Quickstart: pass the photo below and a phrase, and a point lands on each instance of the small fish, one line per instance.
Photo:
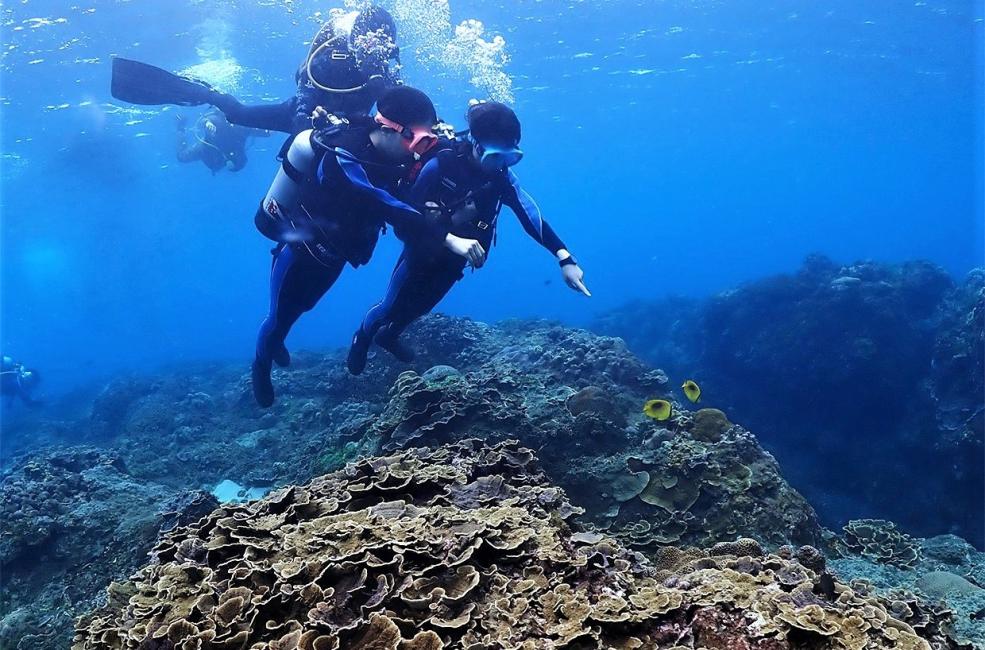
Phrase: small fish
(692, 390)
(658, 409)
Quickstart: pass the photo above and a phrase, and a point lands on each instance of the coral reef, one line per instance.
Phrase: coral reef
(698, 484)
(466, 546)
(703, 482)
(648, 487)
(945, 572)
(72, 519)
(814, 360)
(880, 541)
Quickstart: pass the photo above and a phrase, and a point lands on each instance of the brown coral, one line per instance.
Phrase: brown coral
(880, 541)
(693, 491)
(465, 546)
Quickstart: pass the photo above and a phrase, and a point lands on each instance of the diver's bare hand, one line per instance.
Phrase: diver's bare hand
(470, 249)
(573, 275)
(319, 117)
(210, 127)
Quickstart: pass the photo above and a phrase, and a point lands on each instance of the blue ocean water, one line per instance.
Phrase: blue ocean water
(678, 147)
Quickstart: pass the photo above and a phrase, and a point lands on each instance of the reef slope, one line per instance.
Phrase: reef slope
(468, 546)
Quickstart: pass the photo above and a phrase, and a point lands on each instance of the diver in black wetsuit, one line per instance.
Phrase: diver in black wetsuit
(352, 60)
(465, 185)
(214, 141)
(328, 205)
(18, 382)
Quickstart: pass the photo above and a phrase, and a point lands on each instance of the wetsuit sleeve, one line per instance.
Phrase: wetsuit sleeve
(408, 223)
(427, 180)
(528, 212)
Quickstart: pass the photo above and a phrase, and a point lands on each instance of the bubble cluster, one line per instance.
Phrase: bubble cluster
(376, 47)
(465, 51)
(218, 66)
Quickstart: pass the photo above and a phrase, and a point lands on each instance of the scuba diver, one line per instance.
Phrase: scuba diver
(463, 186)
(327, 206)
(213, 140)
(18, 382)
(352, 60)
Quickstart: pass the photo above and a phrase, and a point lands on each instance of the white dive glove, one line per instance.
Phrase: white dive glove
(572, 273)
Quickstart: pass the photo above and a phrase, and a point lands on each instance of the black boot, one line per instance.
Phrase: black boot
(358, 351)
(391, 342)
(263, 388)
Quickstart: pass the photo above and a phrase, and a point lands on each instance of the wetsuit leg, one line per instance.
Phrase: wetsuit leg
(271, 117)
(416, 285)
(416, 288)
(379, 314)
(297, 283)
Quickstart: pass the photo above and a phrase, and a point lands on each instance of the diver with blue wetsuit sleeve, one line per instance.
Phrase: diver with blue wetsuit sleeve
(463, 188)
(329, 203)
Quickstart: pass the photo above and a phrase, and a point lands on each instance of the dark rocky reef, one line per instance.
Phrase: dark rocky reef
(957, 378)
(71, 519)
(865, 380)
(469, 546)
(702, 480)
(650, 489)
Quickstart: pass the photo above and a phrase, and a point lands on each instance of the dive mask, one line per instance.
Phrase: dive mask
(493, 158)
(418, 141)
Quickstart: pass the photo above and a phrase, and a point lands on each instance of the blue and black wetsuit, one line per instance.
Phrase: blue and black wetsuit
(344, 205)
(425, 273)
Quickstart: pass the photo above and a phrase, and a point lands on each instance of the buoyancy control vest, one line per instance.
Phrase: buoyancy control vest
(344, 199)
(470, 199)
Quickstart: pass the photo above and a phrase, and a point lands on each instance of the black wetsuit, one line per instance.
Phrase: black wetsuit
(223, 149)
(424, 274)
(334, 67)
(347, 204)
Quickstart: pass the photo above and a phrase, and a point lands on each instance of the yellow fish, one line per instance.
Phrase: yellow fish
(658, 409)
(692, 390)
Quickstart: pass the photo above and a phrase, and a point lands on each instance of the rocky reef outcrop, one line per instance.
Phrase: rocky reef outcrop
(819, 360)
(665, 503)
(571, 394)
(469, 546)
(71, 519)
(695, 479)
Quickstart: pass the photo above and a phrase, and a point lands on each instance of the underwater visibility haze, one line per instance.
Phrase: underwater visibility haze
(765, 393)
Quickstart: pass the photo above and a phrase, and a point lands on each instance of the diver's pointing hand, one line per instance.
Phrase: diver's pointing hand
(573, 276)
(470, 249)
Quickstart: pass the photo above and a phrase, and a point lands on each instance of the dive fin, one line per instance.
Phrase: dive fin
(140, 83)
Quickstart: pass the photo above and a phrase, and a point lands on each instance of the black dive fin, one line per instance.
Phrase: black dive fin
(139, 83)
